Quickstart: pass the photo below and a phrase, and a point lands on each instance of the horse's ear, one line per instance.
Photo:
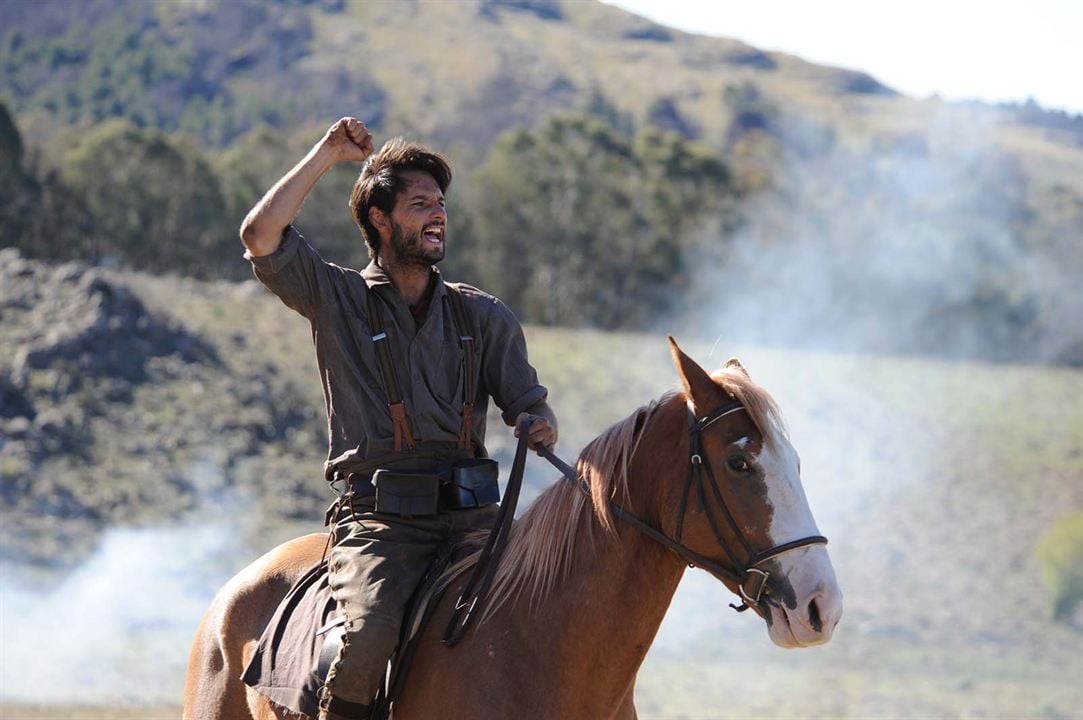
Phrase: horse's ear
(736, 364)
(698, 385)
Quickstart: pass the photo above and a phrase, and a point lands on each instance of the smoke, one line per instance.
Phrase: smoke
(918, 242)
(855, 249)
(114, 629)
(117, 630)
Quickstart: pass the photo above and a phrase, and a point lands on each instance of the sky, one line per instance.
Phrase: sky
(994, 50)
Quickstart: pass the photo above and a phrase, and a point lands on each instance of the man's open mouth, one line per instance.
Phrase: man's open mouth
(434, 234)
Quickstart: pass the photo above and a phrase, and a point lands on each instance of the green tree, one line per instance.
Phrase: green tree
(38, 214)
(156, 203)
(16, 188)
(684, 187)
(576, 224)
(11, 143)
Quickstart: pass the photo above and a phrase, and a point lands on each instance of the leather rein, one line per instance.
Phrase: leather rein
(700, 476)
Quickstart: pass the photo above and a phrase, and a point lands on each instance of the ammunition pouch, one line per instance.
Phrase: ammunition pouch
(465, 484)
(473, 484)
(406, 493)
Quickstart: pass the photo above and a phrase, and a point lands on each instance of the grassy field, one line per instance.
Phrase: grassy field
(933, 481)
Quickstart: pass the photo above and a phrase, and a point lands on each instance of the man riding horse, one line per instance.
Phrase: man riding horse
(408, 363)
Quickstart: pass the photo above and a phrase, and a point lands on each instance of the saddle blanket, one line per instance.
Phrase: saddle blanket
(285, 668)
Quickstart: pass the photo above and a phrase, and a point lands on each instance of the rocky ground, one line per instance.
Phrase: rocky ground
(115, 413)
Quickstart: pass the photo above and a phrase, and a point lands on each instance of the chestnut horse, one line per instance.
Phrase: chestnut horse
(579, 594)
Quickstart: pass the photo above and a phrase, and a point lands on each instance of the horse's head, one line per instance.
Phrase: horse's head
(744, 508)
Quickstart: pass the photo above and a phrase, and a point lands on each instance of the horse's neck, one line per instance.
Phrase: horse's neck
(600, 623)
(606, 616)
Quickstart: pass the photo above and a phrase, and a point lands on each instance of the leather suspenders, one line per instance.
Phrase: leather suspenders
(396, 406)
(465, 332)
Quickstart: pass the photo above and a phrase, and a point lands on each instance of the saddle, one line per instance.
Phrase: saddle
(302, 639)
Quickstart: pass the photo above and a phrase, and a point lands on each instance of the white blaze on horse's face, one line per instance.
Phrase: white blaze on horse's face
(809, 616)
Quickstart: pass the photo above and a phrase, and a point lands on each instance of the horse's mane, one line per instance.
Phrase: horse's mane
(542, 543)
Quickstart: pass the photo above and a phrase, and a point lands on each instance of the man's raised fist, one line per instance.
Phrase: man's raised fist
(349, 139)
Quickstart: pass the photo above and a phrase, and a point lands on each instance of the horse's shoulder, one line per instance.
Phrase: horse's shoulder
(267, 579)
(292, 558)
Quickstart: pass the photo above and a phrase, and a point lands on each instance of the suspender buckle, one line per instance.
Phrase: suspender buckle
(401, 426)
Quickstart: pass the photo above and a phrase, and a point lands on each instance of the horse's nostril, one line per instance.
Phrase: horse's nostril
(814, 616)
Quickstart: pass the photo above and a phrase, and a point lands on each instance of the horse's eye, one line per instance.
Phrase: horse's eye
(739, 464)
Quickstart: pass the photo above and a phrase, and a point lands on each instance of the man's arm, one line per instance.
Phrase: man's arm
(261, 231)
(543, 431)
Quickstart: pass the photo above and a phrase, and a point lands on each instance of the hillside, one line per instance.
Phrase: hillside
(219, 68)
(678, 178)
(113, 412)
(453, 72)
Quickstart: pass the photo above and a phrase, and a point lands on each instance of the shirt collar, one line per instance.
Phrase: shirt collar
(375, 276)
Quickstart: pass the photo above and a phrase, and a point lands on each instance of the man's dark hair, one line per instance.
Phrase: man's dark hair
(381, 181)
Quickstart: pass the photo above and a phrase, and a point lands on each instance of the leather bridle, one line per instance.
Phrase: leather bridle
(752, 581)
(700, 477)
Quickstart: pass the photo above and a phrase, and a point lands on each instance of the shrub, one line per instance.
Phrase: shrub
(1060, 555)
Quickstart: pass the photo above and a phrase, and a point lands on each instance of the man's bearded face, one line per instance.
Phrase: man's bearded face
(419, 221)
(417, 246)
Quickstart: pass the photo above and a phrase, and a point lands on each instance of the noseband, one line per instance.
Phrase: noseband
(751, 580)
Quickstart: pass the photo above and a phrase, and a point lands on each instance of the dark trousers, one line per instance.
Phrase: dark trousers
(376, 563)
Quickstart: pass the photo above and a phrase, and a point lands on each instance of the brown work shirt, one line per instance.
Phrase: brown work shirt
(427, 355)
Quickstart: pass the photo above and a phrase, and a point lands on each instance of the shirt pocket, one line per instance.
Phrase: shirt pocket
(436, 365)
(451, 363)
(359, 352)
